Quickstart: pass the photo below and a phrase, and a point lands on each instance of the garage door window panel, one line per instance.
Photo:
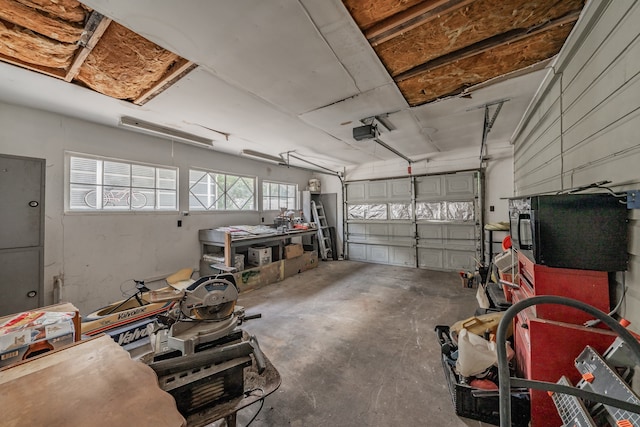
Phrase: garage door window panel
(377, 211)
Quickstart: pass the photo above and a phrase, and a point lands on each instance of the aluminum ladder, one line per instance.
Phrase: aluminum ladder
(324, 237)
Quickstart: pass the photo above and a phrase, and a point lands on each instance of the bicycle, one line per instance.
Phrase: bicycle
(115, 197)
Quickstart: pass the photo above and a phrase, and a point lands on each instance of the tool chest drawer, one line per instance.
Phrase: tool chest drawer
(591, 287)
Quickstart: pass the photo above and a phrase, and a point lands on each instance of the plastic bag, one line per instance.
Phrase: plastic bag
(475, 354)
(481, 296)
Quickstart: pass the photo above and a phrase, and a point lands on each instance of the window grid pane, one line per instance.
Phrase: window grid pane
(276, 196)
(104, 185)
(217, 191)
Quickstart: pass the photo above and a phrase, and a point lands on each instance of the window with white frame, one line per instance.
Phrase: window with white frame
(277, 195)
(215, 191)
(101, 184)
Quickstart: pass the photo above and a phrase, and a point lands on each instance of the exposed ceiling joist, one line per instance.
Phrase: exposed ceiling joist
(173, 74)
(413, 17)
(95, 27)
(512, 75)
(486, 45)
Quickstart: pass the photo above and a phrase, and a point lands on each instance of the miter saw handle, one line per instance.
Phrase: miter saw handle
(243, 317)
(258, 354)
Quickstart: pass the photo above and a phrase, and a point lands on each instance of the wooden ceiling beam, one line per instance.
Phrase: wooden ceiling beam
(486, 45)
(95, 27)
(176, 72)
(408, 19)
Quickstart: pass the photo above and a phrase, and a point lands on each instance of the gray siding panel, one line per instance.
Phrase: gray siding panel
(605, 47)
(537, 166)
(585, 123)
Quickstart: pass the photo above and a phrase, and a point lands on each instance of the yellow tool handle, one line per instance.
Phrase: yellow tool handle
(470, 322)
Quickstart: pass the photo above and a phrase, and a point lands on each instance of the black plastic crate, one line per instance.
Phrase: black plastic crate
(485, 408)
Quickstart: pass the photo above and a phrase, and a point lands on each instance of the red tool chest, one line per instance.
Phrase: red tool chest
(549, 337)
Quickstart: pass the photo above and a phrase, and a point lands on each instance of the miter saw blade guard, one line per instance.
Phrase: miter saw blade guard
(211, 298)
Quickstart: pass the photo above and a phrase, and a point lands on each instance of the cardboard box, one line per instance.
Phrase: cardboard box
(27, 334)
(259, 255)
(293, 250)
(23, 352)
(63, 307)
(212, 259)
(30, 327)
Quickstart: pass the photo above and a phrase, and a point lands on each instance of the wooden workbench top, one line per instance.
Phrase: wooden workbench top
(91, 383)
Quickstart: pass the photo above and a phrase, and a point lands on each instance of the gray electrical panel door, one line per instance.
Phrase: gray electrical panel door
(428, 222)
(21, 234)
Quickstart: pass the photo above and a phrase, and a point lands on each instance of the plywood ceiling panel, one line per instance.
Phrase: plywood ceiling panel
(463, 27)
(453, 78)
(435, 48)
(369, 12)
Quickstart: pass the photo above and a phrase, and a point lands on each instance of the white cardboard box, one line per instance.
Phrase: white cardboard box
(33, 326)
(259, 255)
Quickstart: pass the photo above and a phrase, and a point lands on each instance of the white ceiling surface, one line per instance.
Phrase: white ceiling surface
(278, 76)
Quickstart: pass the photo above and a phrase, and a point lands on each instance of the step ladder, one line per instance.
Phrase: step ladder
(324, 237)
(599, 377)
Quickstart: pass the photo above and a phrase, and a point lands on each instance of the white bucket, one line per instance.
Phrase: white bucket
(314, 185)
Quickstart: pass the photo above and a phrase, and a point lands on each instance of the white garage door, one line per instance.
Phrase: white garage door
(429, 222)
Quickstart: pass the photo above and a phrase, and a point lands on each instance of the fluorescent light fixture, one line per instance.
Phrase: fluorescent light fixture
(163, 132)
(263, 156)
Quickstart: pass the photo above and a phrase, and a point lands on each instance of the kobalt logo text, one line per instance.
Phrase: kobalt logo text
(130, 313)
(133, 335)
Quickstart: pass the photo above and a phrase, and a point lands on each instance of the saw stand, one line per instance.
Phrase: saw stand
(324, 238)
(600, 375)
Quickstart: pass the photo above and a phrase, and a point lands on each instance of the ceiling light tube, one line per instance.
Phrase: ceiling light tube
(163, 132)
(263, 156)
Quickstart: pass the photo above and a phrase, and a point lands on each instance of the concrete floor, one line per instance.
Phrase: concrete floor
(355, 346)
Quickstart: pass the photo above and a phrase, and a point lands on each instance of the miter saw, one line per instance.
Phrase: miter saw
(199, 352)
(206, 313)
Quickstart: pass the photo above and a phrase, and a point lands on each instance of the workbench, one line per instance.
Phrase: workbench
(90, 383)
(231, 241)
